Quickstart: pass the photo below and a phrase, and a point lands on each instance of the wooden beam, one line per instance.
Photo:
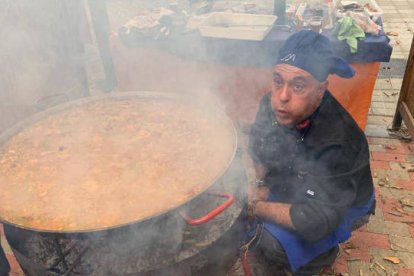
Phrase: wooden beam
(407, 117)
(405, 87)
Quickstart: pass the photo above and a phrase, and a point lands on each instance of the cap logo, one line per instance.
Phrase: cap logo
(289, 57)
(310, 192)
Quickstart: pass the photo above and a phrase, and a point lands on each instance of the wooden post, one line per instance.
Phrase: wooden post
(405, 105)
(101, 26)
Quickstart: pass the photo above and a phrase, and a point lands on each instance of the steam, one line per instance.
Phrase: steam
(36, 59)
(46, 59)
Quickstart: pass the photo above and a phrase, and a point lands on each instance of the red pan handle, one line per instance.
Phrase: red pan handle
(211, 214)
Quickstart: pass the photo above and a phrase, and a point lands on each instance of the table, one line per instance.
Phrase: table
(237, 72)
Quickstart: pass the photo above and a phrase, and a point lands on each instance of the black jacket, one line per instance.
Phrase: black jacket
(321, 170)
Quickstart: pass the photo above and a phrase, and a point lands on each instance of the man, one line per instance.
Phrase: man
(313, 179)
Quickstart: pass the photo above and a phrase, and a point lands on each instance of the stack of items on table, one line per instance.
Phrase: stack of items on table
(355, 19)
(350, 20)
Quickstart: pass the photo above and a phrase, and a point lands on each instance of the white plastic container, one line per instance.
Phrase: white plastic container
(237, 26)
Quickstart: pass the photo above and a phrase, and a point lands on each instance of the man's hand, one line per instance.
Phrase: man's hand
(275, 212)
(257, 191)
(256, 194)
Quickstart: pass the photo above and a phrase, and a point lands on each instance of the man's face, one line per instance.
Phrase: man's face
(295, 94)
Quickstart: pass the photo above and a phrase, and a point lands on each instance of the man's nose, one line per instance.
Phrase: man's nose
(284, 94)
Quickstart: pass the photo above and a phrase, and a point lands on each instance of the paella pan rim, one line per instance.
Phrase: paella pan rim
(11, 132)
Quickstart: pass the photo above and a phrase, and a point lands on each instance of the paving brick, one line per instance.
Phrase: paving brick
(390, 96)
(378, 257)
(395, 20)
(377, 105)
(383, 141)
(376, 98)
(401, 148)
(391, 15)
(379, 214)
(399, 166)
(392, 105)
(380, 165)
(385, 156)
(359, 268)
(396, 83)
(389, 111)
(391, 174)
(365, 240)
(405, 271)
(409, 146)
(405, 184)
(362, 255)
(410, 158)
(409, 11)
(388, 227)
(411, 229)
(399, 55)
(383, 84)
(378, 111)
(393, 210)
(376, 130)
(379, 197)
(400, 243)
(389, 205)
(379, 148)
(341, 265)
(394, 195)
(406, 258)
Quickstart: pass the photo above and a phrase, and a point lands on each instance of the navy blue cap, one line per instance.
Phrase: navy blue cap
(313, 53)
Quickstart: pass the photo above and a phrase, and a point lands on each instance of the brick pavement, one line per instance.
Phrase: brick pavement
(390, 232)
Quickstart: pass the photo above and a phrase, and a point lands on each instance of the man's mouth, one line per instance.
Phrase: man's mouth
(282, 113)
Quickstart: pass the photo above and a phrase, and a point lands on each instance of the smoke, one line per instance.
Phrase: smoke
(186, 63)
(38, 57)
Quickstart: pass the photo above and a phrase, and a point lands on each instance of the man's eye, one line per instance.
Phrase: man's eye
(277, 82)
(298, 87)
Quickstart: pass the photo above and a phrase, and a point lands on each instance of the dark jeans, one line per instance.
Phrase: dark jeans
(4, 264)
(275, 256)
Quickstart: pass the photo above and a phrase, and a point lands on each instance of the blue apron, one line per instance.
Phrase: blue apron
(299, 252)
